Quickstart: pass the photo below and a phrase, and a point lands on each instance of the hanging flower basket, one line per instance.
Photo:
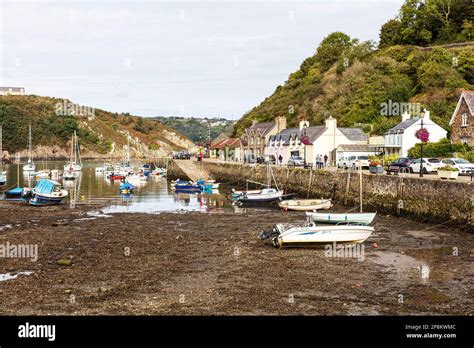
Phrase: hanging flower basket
(305, 140)
(423, 135)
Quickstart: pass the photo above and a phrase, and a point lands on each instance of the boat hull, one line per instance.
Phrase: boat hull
(305, 205)
(324, 234)
(39, 199)
(363, 218)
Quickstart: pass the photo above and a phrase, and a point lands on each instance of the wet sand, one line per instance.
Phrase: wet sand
(213, 263)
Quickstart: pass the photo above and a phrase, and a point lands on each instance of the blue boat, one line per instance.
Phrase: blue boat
(47, 192)
(146, 168)
(126, 188)
(14, 193)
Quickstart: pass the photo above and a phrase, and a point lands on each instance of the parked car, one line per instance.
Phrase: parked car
(260, 160)
(296, 161)
(342, 162)
(430, 165)
(397, 165)
(355, 161)
(462, 165)
(185, 155)
(270, 159)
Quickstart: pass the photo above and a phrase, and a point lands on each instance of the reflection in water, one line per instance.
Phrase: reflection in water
(151, 196)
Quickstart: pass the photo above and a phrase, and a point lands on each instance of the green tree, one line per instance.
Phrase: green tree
(390, 33)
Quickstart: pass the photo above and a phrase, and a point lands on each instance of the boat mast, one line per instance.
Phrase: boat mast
(30, 159)
(360, 185)
(72, 150)
(78, 150)
(128, 148)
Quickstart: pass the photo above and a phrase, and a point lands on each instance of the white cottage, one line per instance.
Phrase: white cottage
(399, 139)
(323, 141)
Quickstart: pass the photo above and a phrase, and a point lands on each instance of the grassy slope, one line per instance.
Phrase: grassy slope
(96, 134)
(353, 94)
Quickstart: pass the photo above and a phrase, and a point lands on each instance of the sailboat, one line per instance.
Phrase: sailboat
(125, 168)
(3, 174)
(265, 195)
(75, 163)
(30, 165)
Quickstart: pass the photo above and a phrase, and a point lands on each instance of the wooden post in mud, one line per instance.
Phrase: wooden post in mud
(360, 186)
(348, 185)
(309, 181)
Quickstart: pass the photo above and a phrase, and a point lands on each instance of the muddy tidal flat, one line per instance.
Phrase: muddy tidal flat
(198, 263)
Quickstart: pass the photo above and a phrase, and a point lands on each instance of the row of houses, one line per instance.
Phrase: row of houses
(311, 142)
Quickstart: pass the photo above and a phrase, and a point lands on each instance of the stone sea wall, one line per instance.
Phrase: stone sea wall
(438, 201)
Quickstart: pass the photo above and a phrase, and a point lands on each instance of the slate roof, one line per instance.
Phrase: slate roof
(313, 134)
(403, 125)
(263, 128)
(354, 134)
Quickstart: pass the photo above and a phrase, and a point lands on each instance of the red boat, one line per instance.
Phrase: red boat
(118, 177)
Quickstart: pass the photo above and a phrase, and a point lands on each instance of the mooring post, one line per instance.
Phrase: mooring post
(348, 185)
(309, 181)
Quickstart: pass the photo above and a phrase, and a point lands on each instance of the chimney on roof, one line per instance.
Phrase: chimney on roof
(405, 116)
(331, 123)
(254, 122)
(280, 123)
(304, 124)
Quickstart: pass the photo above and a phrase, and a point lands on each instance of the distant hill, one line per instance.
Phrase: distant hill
(352, 80)
(197, 129)
(101, 133)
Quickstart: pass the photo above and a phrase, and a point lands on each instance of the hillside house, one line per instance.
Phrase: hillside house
(399, 139)
(12, 91)
(462, 120)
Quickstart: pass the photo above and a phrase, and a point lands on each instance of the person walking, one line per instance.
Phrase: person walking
(319, 161)
(280, 159)
(325, 160)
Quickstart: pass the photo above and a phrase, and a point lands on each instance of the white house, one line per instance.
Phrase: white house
(399, 139)
(12, 91)
(323, 140)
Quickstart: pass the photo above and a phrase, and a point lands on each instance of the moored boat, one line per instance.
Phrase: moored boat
(126, 188)
(13, 193)
(305, 204)
(290, 235)
(336, 218)
(266, 195)
(47, 192)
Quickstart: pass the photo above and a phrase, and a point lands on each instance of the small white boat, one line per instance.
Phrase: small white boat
(43, 174)
(305, 204)
(56, 173)
(239, 192)
(332, 218)
(69, 175)
(264, 196)
(29, 167)
(137, 177)
(290, 235)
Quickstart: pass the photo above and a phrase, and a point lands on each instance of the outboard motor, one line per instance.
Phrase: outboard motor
(274, 232)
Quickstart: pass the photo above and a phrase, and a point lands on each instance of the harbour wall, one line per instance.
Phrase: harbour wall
(447, 202)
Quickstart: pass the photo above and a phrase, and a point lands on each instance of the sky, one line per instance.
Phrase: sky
(166, 58)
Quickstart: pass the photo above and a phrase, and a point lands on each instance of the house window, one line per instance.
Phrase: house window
(464, 120)
(464, 140)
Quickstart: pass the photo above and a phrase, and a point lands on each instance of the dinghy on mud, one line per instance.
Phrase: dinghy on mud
(332, 218)
(305, 204)
(291, 235)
